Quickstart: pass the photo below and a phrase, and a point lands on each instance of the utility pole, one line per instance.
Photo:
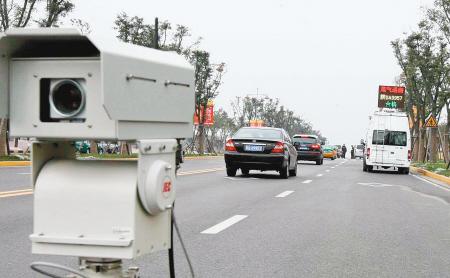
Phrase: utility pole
(156, 35)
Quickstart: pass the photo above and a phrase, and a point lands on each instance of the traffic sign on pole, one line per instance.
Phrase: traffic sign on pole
(431, 121)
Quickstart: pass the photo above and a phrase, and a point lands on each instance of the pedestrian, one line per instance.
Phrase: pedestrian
(352, 152)
(344, 150)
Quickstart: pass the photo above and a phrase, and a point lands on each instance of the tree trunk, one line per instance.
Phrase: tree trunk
(3, 138)
(415, 142)
(93, 147)
(415, 150)
(124, 148)
(443, 141)
(421, 150)
(201, 139)
(433, 144)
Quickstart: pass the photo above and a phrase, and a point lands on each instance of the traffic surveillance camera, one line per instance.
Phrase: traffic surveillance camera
(57, 85)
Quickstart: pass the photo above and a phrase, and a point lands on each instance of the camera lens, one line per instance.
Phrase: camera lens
(68, 98)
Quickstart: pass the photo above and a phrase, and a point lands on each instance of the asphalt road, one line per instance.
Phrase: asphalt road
(331, 221)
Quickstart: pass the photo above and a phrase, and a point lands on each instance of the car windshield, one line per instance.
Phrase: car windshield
(389, 137)
(258, 133)
(305, 140)
(328, 148)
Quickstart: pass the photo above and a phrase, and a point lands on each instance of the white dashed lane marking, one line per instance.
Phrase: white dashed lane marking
(327, 170)
(224, 225)
(307, 181)
(284, 194)
(319, 175)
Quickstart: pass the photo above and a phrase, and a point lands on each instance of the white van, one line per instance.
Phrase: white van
(388, 143)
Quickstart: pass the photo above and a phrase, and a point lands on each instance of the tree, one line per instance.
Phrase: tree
(273, 115)
(13, 14)
(440, 16)
(54, 11)
(208, 79)
(222, 129)
(423, 57)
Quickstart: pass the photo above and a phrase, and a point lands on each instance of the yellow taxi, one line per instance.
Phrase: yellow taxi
(329, 152)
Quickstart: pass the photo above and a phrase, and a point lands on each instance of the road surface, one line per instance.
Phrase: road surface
(333, 220)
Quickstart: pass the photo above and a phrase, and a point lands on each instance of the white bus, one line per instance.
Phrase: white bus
(388, 143)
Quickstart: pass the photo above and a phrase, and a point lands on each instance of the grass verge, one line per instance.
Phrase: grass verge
(13, 158)
(106, 156)
(439, 167)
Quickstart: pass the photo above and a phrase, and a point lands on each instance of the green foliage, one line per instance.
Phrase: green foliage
(224, 126)
(423, 58)
(12, 158)
(134, 30)
(23, 13)
(55, 10)
(272, 113)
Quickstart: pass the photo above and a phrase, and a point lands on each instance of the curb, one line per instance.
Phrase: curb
(14, 163)
(430, 174)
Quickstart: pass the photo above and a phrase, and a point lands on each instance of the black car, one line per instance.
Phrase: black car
(261, 148)
(308, 148)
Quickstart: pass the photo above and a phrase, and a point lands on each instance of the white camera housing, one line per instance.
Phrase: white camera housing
(131, 92)
(102, 209)
(57, 85)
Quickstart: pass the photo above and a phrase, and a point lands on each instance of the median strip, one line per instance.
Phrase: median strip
(224, 225)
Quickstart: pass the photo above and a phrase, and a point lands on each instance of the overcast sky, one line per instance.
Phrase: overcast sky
(322, 59)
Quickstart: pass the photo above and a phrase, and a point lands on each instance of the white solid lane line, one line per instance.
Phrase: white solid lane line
(319, 175)
(284, 194)
(224, 225)
(430, 182)
(307, 181)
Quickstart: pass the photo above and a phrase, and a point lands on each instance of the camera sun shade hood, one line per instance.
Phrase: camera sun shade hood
(140, 87)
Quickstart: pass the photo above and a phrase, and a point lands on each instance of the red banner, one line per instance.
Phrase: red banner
(209, 115)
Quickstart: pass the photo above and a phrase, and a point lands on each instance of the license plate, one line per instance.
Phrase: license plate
(253, 148)
(304, 148)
